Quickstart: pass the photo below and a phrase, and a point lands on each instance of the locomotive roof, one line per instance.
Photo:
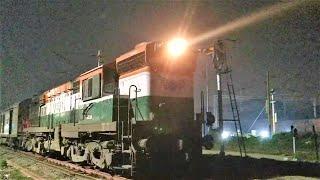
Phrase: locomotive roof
(137, 49)
(68, 85)
(91, 70)
(12, 106)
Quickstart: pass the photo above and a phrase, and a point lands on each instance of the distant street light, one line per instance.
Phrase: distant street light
(264, 134)
(225, 134)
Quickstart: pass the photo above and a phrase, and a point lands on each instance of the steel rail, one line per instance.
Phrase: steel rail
(57, 165)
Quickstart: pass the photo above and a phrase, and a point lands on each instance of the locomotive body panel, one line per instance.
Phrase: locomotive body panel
(86, 100)
(9, 118)
(161, 80)
(90, 112)
(98, 111)
(156, 91)
(76, 114)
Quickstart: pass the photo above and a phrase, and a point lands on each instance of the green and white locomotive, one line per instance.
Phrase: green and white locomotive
(137, 110)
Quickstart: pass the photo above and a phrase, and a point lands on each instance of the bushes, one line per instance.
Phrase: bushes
(279, 144)
(3, 164)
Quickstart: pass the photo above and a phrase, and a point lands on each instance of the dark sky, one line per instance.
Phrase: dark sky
(45, 43)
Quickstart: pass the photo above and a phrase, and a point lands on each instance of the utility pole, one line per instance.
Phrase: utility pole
(203, 115)
(207, 92)
(314, 103)
(273, 110)
(219, 59)
(268, 109)
(220, 111)
(315, 136)
(99, 56)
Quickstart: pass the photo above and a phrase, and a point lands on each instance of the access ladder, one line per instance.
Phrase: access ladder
(236, 116)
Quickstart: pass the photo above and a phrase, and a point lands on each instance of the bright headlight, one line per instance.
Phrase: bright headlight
(177, 46)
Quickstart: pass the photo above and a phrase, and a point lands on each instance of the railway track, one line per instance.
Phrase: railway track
(28, 164)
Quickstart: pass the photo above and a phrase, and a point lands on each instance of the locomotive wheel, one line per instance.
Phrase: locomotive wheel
(28, 145)
(77, 155)
(96, 155)
(38, 146)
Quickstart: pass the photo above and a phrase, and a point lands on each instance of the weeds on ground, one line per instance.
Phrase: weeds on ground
(278, 144)
(7, 172)
(3, 164)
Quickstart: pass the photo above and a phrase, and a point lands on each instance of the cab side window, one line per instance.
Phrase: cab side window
(75, 87)
(91, 88)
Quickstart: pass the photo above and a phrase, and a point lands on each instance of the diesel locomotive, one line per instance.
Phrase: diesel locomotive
(137, 110)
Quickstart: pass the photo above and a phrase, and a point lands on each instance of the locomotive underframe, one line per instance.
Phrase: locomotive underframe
(100, 148)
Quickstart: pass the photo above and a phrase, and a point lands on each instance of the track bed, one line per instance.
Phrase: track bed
(39, 167)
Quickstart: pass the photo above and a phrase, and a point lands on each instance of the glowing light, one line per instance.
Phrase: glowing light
(177, 46)
(244, 21)
(264, 134)
(253, 132)
(225, 134)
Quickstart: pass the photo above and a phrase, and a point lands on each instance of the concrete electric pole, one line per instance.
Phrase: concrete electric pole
(99, 56)
(270, 107)
(268, 110)
(220, 64)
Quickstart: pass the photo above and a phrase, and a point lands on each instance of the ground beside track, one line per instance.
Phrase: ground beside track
(213, 166)
(293, 178)
(253, 155)
(275, 147)
(210, 166)
(8, 172)
(19, 165)
(234, 167)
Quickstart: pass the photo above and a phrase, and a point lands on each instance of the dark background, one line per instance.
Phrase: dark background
(45, 43)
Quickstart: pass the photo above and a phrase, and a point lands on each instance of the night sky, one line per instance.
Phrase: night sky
(45, 43)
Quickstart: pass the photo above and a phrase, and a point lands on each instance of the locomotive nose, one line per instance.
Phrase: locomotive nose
(161, 144)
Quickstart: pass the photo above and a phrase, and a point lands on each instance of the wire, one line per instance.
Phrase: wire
(256, 118)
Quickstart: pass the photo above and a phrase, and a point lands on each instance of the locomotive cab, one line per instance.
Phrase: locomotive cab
(165, 127)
